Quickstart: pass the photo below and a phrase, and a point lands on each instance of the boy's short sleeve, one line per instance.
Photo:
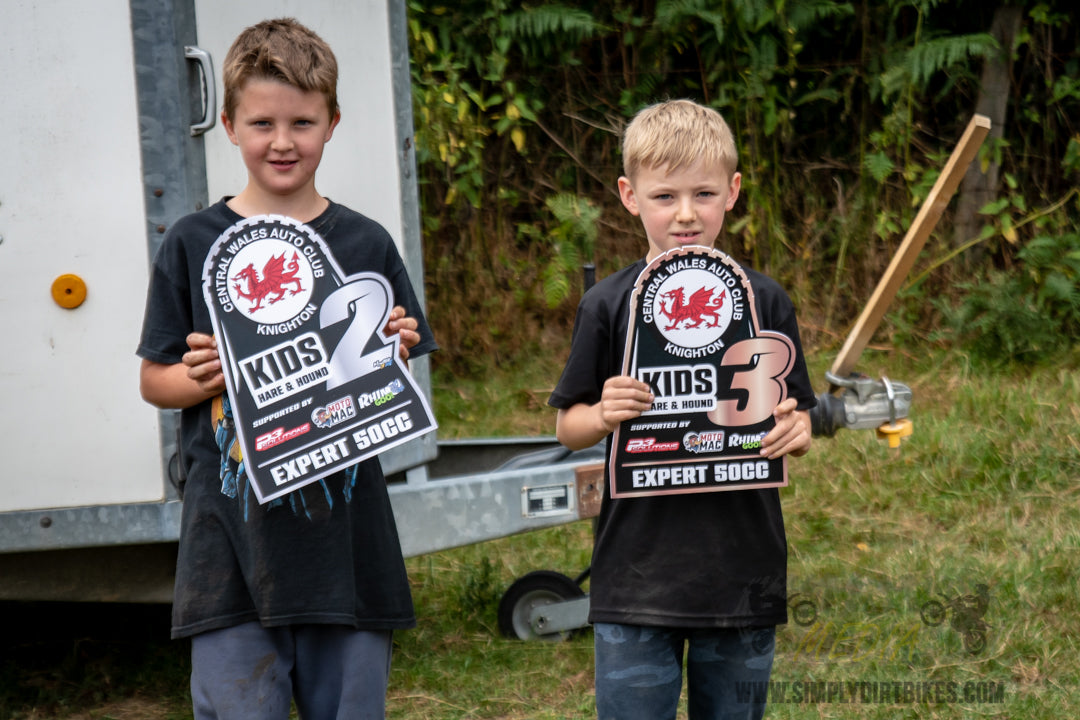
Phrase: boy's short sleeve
(776, 312)
(580, 381)
(405, 296)
(598, 340)
(174, 304)
(165, 314)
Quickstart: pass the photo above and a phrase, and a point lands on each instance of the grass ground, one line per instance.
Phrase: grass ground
(984, 493)
(981, 500)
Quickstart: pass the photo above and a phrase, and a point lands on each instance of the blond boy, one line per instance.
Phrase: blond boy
(700, 575)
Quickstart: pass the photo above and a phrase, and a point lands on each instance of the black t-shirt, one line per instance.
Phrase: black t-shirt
(326, 553)
(715, 559)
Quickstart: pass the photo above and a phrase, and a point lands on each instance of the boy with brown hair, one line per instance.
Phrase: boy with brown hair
(296, 599)
(705, 573)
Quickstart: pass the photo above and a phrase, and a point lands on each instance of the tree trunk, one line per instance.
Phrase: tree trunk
(978, 187)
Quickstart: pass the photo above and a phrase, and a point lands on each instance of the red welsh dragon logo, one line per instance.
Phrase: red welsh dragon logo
(693, 311)
(276, 275)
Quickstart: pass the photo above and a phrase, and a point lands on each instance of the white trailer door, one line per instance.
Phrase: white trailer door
(73, 428)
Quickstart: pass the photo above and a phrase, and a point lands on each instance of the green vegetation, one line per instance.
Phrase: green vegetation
(844, 114)
(1027, 315)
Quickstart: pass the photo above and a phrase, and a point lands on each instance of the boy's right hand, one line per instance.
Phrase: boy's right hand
(623, 398)
(582, 425)
(203, 363)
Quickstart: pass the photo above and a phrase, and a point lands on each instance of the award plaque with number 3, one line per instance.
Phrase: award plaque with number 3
(716, 378)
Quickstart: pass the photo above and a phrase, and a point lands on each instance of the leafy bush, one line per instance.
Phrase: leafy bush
(844, 114)
(1031, 314)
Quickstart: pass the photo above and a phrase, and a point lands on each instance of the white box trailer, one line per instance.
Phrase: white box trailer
(110, 121)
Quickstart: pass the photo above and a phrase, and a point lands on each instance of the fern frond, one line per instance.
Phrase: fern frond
(552, 20)
(928, 58)
(806, 13)
(578, 217)
(879, 165)
(674, 14)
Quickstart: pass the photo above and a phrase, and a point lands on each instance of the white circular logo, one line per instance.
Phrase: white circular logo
(692, 308)
(270, 281)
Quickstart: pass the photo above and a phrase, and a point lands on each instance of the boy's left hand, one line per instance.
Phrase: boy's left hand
(791, 435)
(405, 327)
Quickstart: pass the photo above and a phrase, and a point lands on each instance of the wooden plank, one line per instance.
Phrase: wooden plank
(904, 258)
